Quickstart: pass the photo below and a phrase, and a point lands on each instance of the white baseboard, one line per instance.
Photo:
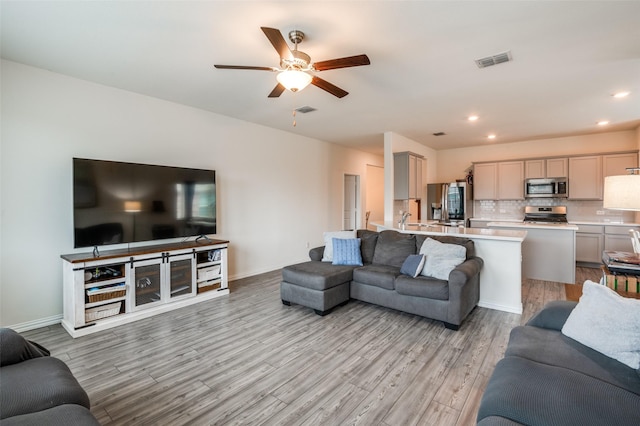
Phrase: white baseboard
(517, 309)
(39, 323)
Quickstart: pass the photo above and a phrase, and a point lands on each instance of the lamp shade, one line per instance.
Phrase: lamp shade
(622, 192)
(132, 206)
(294, 80)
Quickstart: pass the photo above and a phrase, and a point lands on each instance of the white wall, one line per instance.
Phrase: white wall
(277, 191)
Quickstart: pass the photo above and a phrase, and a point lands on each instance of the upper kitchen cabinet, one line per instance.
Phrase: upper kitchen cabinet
(616, 164)
(485, 178)
(585, 178)
(498, 181)
(546, 168)
(407, 175)
(511, 180)
(557, 167)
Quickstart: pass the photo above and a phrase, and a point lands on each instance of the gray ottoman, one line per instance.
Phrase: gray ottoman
(320, 286)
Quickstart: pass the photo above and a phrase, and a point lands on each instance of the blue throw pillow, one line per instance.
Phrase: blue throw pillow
(413, 265)
(347, 251)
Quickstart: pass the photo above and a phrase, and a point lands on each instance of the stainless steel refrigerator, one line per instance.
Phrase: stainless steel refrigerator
(449, 203)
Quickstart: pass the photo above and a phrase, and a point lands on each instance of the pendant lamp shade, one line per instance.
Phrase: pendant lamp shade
(294, 80)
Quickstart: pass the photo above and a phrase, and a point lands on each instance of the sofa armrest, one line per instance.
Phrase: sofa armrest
(316, 253)
(468, 269)
(16, 348)
(553, 315)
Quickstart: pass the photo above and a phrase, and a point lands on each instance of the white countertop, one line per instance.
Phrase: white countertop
(571, 222)
(431, 228)
(528, 225)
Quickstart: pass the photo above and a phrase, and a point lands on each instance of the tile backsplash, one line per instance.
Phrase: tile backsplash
(576, 210)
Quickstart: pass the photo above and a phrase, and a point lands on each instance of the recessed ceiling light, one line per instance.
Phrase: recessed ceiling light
(621, 94)
(472, 118)
(491, 136)
(603, 123)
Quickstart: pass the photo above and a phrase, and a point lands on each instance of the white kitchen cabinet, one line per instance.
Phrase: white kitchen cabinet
(557, 167)
(511, 180)
(616, 164)
(407, 172)
(485, 176)
(585, 178)
(546, 168)
(498, 181)
(589, 243)
(617, 238)
(535, 169)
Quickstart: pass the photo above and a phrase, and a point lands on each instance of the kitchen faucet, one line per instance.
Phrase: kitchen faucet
(403, 219)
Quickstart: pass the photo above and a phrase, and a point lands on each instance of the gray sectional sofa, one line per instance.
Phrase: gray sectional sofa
(547, 378)
(37, 389)
(323, 286)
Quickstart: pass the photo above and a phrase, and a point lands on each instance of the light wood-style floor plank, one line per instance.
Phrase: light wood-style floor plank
(248, 359)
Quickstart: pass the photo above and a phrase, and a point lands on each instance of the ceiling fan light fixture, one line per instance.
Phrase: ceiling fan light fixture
(294, 80)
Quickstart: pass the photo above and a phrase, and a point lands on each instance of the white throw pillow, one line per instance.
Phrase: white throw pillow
(328, 242)
(441, 258)
(606, 322)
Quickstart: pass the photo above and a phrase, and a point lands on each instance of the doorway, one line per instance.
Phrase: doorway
(351, 211)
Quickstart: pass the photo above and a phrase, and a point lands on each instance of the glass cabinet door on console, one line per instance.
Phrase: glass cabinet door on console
(162, 279)
(181, 276)
(146, 278)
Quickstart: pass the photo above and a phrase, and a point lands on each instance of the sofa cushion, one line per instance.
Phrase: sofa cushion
(535, 393)
(552, 347)
(368, 244)
(61, 415)
(413, 265)
(16, 348)
(448, 239)
(442, 258)
(327, 255)
(347, 252)
(393, 248)
(423, 287)
(607, 322)
(317, 275)
(382, 276)
(38, 384)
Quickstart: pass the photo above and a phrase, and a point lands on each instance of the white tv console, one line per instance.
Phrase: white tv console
(121, 286)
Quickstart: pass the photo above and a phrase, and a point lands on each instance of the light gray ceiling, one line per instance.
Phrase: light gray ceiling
(569, 57)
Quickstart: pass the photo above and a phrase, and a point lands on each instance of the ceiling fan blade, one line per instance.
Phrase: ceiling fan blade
(325, 85)
(279, 43)
(242, 67)
(277, 91)
(350, 61)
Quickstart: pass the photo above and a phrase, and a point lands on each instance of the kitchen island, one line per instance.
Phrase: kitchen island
(501, 251)
(548, 252)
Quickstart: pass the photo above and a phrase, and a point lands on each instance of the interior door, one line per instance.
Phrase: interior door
(351, 197)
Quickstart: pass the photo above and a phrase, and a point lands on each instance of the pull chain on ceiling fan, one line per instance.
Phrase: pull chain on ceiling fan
(296, 68)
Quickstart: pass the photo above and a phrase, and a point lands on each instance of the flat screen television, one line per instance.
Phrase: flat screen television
(116, 202)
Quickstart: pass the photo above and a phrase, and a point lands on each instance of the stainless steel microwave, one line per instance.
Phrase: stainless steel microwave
(545, 188)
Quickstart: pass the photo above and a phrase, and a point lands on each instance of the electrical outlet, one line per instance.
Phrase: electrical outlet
(600, 212)
(503, 211)
(307, 245)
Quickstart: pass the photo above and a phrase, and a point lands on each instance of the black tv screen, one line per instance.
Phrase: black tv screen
(116, 202)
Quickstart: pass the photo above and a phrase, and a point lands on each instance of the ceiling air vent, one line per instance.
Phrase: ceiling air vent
(305, 109)
(494, 59)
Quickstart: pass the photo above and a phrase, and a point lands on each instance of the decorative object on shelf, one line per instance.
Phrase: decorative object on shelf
(623, 193)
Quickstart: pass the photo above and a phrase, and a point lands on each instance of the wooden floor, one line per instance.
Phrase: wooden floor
(247, 359)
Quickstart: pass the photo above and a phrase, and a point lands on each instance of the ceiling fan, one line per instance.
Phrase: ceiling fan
(296, 68)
